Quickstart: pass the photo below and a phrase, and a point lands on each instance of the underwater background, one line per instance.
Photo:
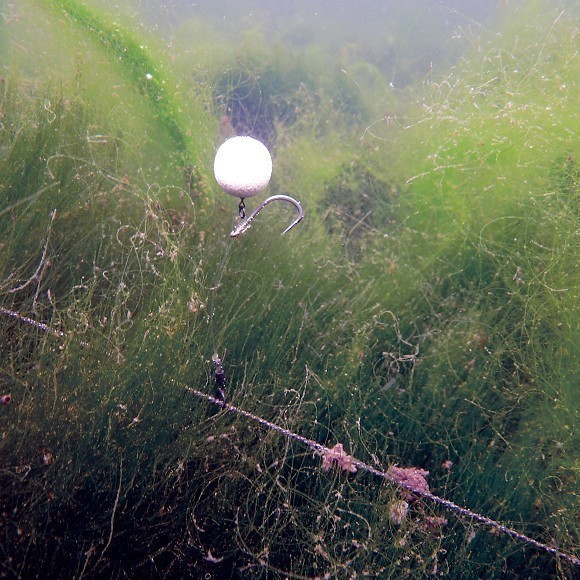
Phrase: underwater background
(424, 315)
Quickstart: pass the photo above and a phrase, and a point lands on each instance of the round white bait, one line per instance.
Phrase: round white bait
(243, 166)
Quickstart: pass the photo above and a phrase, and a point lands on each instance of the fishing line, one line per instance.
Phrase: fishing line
(331, 454)
(242, 168)
(216, 284)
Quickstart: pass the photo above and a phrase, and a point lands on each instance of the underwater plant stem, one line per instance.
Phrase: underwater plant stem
(39, 272)
(113, 513)
(457, 509)
(28, 198)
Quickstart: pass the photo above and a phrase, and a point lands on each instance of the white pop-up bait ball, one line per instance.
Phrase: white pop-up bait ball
(242, 166)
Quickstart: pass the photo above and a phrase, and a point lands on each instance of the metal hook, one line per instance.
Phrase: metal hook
(244, 226)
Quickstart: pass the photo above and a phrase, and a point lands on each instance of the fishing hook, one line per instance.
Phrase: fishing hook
(245, 225)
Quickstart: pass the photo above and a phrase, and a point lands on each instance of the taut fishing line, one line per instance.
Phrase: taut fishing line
(242, 168)
(345, 462)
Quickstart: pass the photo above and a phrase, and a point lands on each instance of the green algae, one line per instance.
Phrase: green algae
(135, 60)
(440, 332)
(109, 68)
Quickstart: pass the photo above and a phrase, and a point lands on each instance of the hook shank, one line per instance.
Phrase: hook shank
(244, 226)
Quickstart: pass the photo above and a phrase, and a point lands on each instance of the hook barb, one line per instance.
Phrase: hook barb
(245, 225)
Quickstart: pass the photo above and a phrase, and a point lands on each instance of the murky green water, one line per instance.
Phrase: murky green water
(424, 314)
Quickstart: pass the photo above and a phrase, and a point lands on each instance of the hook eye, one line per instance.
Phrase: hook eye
(245, 225)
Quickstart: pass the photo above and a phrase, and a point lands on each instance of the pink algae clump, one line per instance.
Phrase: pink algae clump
(412, 478)
(337, 457)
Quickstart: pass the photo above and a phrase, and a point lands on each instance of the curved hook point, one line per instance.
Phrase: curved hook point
(244, 226)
